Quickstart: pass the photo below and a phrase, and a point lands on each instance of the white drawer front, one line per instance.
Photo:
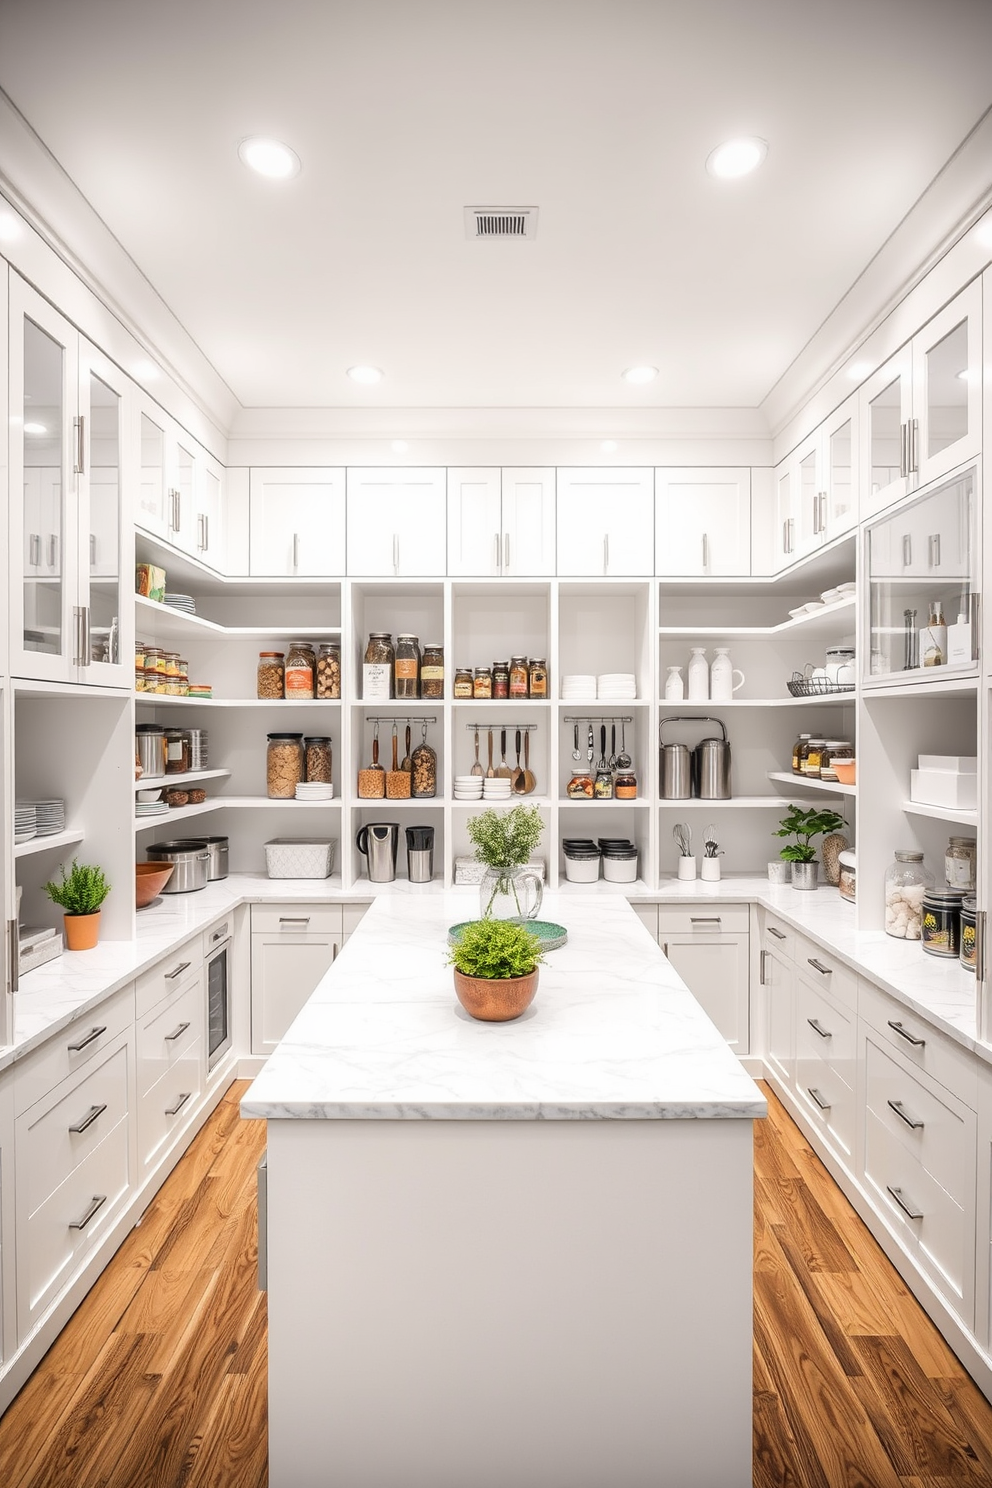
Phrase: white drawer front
(828, 1101)
(778, 935)
(826, 1030)
(940, 1138)
(164, 1109)
(168, 975)
(72, 1050)
(351, 916)
(920, 1043)
(297, 919)
(52, 1145)
(820, 969)
(167, 1033)
(702, 919)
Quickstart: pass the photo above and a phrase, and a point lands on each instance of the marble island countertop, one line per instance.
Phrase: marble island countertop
(612, 1033)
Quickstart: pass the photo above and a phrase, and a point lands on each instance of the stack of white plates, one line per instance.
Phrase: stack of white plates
(184, 602)
(616, 687)
(468, 787)
(50, 816)
(314, 790)
(496, 790)
(578, 687)
(25, 821)
(150, 808)
(850, 587)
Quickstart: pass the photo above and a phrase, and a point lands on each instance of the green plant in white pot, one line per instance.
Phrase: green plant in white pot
(803, 826)
(504, 842)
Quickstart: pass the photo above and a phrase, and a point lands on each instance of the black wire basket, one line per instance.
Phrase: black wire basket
(801, 686)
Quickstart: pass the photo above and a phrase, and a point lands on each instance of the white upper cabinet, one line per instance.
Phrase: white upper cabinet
(396, 522)
(181, 485)
(501, 522)
(605, 521)
(921, 410)
(297, 522)
(817, 492)
(703, 522)
(71, 552)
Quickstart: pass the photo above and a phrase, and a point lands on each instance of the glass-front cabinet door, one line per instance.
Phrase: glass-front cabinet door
(106, 547)
(923, 613)
(886, 401)
(155, 502)
(947, 399)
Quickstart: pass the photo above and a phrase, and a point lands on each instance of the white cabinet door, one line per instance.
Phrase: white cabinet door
(703, 522)
(778, 978)
(105, 556)
(885, 405)
(715, 969)
(184, 472)
(605, 523)
(528, 522)
(285, 969)
(947, 386)
(208, 512)
(475, 521)
(396, 523)
(297, 522)
(154, 500)
(839, 436)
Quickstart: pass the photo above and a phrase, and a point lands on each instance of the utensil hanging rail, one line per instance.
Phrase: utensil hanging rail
(400, 718)
(595, 718)
(523, 728)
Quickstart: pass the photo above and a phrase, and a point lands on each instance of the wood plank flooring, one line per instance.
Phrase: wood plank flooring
(159, 1380)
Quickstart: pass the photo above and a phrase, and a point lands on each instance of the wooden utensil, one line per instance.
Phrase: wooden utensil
(503, 771)
(372, 780)
(517, 782)
(398, 782)
(477, 767)
(490, 773)
(407, 761)
(530, 779)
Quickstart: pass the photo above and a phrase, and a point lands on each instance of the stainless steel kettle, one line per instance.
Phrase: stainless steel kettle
(711, 766)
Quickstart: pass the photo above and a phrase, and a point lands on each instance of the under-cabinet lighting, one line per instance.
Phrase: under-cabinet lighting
(270, 158)
(640, 374)
(736, 157)
(10, 228)
(365, 374)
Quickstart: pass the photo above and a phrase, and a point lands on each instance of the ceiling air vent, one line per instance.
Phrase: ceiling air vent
(501, 222)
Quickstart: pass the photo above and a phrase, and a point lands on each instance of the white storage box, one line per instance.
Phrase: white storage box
(959, 764)
(943, 788)
(300, 857)
(469, 870)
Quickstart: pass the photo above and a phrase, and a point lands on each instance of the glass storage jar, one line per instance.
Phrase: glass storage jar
(301, 670)
(171, 673)
(968, 954)
(538, 678)
(959, 863)
(501, 679)
(519, 677)
(432, 671)
(377, 667)
(317, 761)
(847, 882)
(283, 766)
(814, 756)
(799, 750)
(423, 782)
(176, 751)
(834, 749)
(329, 670)
(406, 666)
(941, 932)
(482, 683)
(464, 684)
(270, 675)
(906, 883)
(625, 786)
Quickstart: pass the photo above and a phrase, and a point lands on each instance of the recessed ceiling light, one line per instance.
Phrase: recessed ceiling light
(640, 374)
(147, 371)
(10, 228)
(35, 429)
(365, 374)
(609, 446)
(857, 371)
(269, 157)
(736, 157)
(399, 446)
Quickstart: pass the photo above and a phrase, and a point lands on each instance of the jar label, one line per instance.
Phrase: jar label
(299, 682)
(406, 668)
(376, 679)
(174, 750)
(959, 872)
(429, 673)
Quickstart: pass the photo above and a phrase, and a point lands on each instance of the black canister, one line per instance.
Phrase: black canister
(940, 931)
(968, 953)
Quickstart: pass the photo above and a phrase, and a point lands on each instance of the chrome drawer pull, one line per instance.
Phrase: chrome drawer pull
(906, 1205)
(170, 976)
(174, 1110)
(905, 1033)
(95, 1111)
(818, 1099)
(294, 919)
(178, 1033)
(96, 1203)
(909, 1120)
(94, 1033)
(819, 966)
(777, 933)
(705, 920)
(219, 934)
(818, 1028)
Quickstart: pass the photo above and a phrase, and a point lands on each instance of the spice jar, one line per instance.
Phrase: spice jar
(171, 659)
(834, 749)
(519, 677)
(906, 883)
(581, 787)
(283, 766)
(329, 670)
(432, 671)
(959, 864)
(377, 667)
(625, 786)
(317, 763)
(941, 932)
(799, 752)
(482, 683)
(814, 757)
(406, 666)
(968, 954)
(270, 675)
(464, 685)
(538, 678)
(501, 679)
(183, 677)
(176, 751)
(423, 783)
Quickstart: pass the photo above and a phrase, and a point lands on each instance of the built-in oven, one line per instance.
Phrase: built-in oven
(218, 966)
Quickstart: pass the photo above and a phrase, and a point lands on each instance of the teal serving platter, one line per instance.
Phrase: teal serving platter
(548, 933)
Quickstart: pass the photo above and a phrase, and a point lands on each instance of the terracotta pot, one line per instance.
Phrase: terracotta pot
(493, 1001)
(81, 931)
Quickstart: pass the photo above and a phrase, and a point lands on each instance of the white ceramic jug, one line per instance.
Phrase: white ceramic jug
(699, 676)
(674, 685)
(722, 675)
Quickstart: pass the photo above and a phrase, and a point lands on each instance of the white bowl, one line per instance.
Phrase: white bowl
(830, 596)
(149, 795)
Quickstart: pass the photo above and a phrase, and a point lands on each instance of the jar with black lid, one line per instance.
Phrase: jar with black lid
(176, 751)
(464, 686)
(501, 679)
(941, 927)
(968, 953)
(432, 671)
(377, 667)
(317, 759)
(406, 666)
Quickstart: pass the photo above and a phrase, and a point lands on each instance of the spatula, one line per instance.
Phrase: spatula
(407, 761)
(530, 779)
(503, 771)
(477, 767)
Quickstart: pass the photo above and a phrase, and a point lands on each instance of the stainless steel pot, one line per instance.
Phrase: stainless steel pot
(191, 862)
(711, 766)
(676, 767)
(149, 746)
(218, 848)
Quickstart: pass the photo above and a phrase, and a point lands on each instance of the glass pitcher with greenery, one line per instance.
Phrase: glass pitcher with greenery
(504, 842)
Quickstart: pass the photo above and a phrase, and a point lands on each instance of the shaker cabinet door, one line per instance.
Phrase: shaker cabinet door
(284, 973)
(475, 522)
(528, 522)
(297, 522)
(605, 523)
(703, 522)
(396, 523)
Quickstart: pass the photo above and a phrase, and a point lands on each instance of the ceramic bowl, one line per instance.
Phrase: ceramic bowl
(149, 881)
(149, 795)
(847, 771)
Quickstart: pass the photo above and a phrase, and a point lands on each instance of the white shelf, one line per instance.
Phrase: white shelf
(43, 844)
(801, 782)
(167, 621)
(734, 803)
(165, 782)
(223, 803)
(944, 687)
(639, 802)
(942, 813)
(482, 803)
(780, 702)
(173, 814)
(155, 699)
(816, 621)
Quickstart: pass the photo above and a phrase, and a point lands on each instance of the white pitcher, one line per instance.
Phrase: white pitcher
(699, 675)
(674, 685)
(722, 676)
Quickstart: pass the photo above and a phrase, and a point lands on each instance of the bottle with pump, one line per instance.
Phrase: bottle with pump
(933, 638)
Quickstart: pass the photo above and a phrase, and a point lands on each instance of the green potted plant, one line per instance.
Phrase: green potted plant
(504, 842)
(495, 968)
(80, 893)
(803, 826)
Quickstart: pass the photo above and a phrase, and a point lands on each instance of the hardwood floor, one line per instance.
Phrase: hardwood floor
(159, 1380)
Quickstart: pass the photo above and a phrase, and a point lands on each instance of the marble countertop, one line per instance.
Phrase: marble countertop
(613, 1032)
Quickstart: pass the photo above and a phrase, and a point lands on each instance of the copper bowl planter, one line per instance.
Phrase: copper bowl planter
(494, 1001)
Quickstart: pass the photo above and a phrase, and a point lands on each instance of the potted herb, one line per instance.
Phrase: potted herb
(80, 892)
(504, 842)
(495, 969)
(804, 826)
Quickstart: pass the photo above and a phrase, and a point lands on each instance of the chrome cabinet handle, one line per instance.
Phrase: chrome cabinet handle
(94, 1033)
(903, 1115)
(53, 550)
(792, 534)
(761, 969)
(174, 1110)
(396, 553)
(777, 933)
(933, 545)
(77, 635)
(706, 551)
(296, 551)
(785, 537)
(219, 934)
(79, 425)
(907, 551)
(816, 514)
(497, 565)
(818, 1100)
(183, 966)
(92, 550)
(906, 1205)
(705, 920)
(170, 1037)
(96, 1203)
(819, 966)
(206, 531)
(506, 552)
(89, 1119)
(294, 919)
(606, 552)
(34, 550)
(14, 955)
(199, 532)
(818, 1028)
(914, 447)
(905, 1033)
(86, 655)
(904, 449)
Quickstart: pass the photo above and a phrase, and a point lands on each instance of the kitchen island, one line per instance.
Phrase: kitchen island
(514, 1254)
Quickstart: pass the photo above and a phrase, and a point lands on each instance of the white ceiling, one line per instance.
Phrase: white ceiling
(600, 112)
